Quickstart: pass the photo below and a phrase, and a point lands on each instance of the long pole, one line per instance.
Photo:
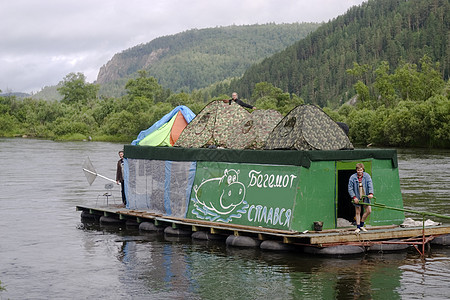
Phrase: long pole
(96, 174)
(423, 213)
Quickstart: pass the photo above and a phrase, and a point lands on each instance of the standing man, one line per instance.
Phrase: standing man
(234, 97)
(119, 176)
(359, 185)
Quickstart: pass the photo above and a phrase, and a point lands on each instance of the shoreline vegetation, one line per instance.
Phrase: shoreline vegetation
(407, 107)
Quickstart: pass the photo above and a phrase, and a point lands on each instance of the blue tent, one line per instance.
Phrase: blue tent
(164, 122)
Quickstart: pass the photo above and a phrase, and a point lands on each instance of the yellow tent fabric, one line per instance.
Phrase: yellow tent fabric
(161, 136)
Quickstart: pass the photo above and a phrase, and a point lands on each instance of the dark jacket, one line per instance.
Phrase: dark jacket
(241, 103)
(119, 173)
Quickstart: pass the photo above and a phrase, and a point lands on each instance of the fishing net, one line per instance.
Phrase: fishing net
(89, 171)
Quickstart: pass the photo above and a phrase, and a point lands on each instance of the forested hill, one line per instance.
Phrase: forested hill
(200, 57)
(378, 30)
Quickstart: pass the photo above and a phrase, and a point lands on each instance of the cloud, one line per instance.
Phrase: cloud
(43, 41)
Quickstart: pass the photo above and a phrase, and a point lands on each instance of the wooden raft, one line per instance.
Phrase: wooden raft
(322, 238)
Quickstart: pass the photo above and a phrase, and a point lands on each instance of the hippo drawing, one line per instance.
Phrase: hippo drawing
(220, 196)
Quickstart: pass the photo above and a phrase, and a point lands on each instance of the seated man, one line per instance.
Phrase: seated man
(234, 97)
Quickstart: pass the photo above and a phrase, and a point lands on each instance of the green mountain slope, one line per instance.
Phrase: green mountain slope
(378, 30)
(198, 58)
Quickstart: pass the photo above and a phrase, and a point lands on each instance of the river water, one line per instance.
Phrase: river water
(47, 253)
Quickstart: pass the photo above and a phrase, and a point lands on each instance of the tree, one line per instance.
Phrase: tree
(178, 99)
(144, 86)
(75, 89)
(267, 96)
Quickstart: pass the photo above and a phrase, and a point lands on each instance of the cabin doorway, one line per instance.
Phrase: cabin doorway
(345, 210)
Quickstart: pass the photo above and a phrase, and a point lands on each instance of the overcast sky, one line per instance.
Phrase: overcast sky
(44, 40)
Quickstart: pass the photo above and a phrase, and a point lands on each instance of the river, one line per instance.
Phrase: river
(47, 253)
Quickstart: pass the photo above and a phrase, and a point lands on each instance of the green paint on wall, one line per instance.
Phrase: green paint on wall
(245, 194)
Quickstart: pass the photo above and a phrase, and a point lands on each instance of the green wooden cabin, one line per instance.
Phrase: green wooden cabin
(279, 189)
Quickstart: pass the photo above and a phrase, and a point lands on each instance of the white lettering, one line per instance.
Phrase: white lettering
(270, 180)
(269, 215)
(276, 216)
(288, 217)
(278, 181)
(292, 178)
(259, 182)
(249, 213)
(252, 178)
(263, 215)
(281, 214)
(258, 212)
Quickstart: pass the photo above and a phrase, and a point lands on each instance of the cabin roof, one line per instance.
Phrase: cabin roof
(276, 157)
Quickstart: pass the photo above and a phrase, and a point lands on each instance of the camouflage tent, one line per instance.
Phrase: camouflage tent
(229, 126)
(307, 127)
(259, 125)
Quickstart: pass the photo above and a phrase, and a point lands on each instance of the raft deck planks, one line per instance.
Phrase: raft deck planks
(378, 234)
(332, 236)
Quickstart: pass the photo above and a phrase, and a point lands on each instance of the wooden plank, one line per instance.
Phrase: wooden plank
(378, 235)
(138, 213)
(230, 226)
(352, 228)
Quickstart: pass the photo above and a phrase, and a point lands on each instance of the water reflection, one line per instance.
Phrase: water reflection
(209, 269)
